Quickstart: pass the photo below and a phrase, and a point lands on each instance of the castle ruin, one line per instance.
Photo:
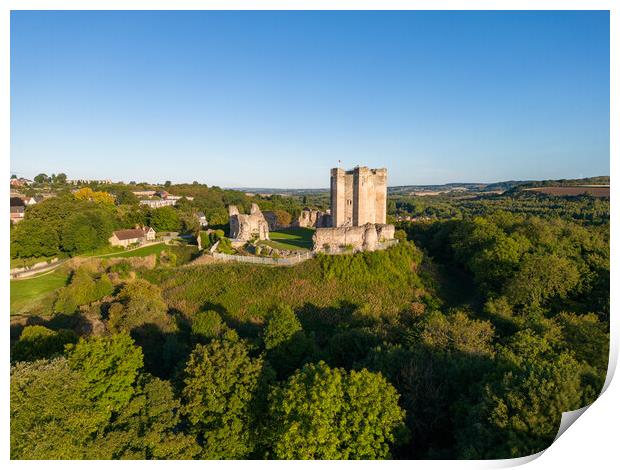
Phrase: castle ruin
(358, 196)
(245, 227)
(358, 211)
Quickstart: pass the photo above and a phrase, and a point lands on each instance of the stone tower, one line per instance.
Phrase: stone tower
(358, 196)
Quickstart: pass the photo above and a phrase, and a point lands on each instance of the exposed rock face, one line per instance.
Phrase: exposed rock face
(366, 237)
(312, 218)
(245, 227)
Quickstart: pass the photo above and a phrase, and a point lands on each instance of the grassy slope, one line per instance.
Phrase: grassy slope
(35, 294)
(371, 284)
(145, 251)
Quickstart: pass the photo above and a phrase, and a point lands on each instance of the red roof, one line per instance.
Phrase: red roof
(131, 233)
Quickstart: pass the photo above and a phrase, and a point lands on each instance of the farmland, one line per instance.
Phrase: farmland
(597, 191)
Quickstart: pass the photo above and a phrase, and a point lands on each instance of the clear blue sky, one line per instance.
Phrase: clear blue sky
(275, 99)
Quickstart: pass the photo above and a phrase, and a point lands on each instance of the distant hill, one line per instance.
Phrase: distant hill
(445, 188)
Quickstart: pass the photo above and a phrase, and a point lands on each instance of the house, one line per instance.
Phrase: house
(17, 202)
(29, 201)
(146, 193)
(202, 219)
(17, 214)
(18, 182)
(155, 203)
(131, 236)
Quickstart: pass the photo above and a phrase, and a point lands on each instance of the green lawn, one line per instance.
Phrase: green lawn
(145, 251)
(291, 239)
(36, 292)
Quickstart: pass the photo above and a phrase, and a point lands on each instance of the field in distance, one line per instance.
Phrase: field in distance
(594, 190)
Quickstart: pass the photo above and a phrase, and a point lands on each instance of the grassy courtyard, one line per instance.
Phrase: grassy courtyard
(299, 239)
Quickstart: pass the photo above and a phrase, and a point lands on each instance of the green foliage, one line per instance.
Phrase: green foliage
(139, 303)
(220, 384)
(32, 238)
(39, 342)
(287, 345)
(208, 325)
(124, 196)
(140, 311)
(50, 416)
(86, 230)
(457, 332)
(83, 289)
(323, 413)
(109, 367)
(541, 277)
(522, 406)
(282, 325)
(165, 219)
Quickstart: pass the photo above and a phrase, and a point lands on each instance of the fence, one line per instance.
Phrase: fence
(289, 261)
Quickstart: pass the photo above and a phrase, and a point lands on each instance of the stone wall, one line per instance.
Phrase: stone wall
(358, 196)
(312, 218)
(367, 237)
(245, 227)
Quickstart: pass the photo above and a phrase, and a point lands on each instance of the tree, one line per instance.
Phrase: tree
(281, 326)
(208, 325)
(541, 277)
(33, 238)
(109, 367)
(323, 413)
(283, 218)
(147, 427)
(286, 344)
(83, 289)
(50, 416)
(39, 342)
(61, 178)
(87, 194)
(86, 230)
(141, 311)
(168, 183)
(164, 219)
(125, 196)
(41, 178)
(138, 303)
(221, 382)
(523, 400)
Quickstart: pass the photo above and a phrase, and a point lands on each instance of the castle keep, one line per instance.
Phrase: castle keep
(358, 196)
(358, 212)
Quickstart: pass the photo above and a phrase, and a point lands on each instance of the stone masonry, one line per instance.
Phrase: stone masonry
(369, 237)
(245, 227)
(312, 218)
(358, 211)
(358, 196)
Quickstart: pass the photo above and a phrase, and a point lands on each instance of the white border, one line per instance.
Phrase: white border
(592, 442)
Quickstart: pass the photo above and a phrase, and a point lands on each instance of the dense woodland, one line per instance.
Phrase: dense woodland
(466, 340)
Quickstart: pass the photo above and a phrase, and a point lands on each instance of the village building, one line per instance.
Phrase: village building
(202, 219)
(156, 203)
(17, 214)
(132, 236)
